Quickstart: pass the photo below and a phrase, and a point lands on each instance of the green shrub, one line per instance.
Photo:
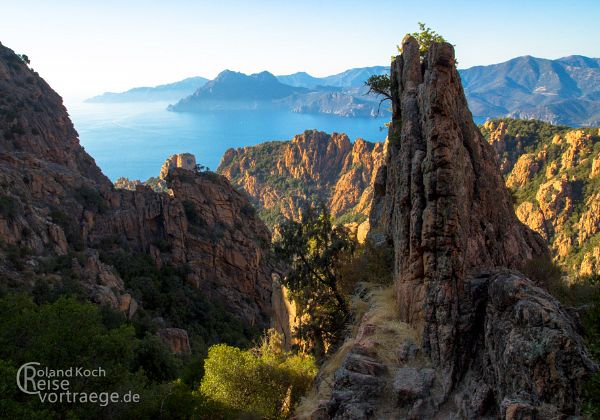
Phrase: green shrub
(9, 207)
(91, 199)
(265, 382)
(16, 255)
(248, 210)
(196, 222)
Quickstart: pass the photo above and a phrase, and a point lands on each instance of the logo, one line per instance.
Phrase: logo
(53, 385)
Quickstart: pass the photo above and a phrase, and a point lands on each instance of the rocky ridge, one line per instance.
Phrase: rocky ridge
(55, 201)
(314, 166)
(552, 172)
(496, 344)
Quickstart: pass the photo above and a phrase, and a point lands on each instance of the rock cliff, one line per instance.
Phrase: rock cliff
(492, 343)
(313, 166)
(54, 201)
(552, 172)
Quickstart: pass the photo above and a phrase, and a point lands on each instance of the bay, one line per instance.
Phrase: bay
(134, 139)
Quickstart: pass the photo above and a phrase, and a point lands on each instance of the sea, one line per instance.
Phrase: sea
(134, 139)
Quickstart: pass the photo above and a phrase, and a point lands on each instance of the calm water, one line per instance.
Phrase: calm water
(133, 140)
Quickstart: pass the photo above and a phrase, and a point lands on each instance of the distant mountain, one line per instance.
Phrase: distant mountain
(347, 79)
(235, 91)
(169, 92)
(301, 79)
(562, 91)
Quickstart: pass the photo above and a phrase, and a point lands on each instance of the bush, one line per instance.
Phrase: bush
(248, 210)
(16, 255)
(264, 382)
(195, 220)
(91, 199)
(9, 207)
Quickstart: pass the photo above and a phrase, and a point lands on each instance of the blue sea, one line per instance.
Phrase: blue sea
(133, 140)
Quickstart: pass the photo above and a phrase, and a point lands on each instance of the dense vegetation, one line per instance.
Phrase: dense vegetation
(54, 325)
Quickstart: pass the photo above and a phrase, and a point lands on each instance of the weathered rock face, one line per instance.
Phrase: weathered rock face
(280, 176)
(54, 200)
(181, 160)
(441, 202)
(555, 186)
(176, 340)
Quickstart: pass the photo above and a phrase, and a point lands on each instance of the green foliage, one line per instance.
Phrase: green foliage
(16, 254)
(165, 293)
(350, 217)
(68, 333)
(9, 207)
(13, 403)
(196, 222)
(425, 37)
(265, 382)
(312, 250)
(152, 356)
(201, 168)
(64, 334)
(24, 58)
(91, 199)
(380, 84)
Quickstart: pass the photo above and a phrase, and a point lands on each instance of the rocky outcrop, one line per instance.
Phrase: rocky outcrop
(554, 185)
(181, 160)
(54, 201)
(496, 342)
(176, 340)
(314, 166)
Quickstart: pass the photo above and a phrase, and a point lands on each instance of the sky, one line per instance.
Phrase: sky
(83, 48)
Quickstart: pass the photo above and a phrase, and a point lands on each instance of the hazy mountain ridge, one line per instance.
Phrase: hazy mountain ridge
(167, 92)
(355, 77)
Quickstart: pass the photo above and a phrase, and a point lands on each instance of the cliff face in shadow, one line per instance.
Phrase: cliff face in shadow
(55, 202)
(491, 343)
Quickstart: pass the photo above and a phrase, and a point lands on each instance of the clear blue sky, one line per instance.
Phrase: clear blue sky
(86, 47)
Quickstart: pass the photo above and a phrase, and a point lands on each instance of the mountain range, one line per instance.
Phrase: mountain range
(561, 91)
(168, 92)
(345, 95)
